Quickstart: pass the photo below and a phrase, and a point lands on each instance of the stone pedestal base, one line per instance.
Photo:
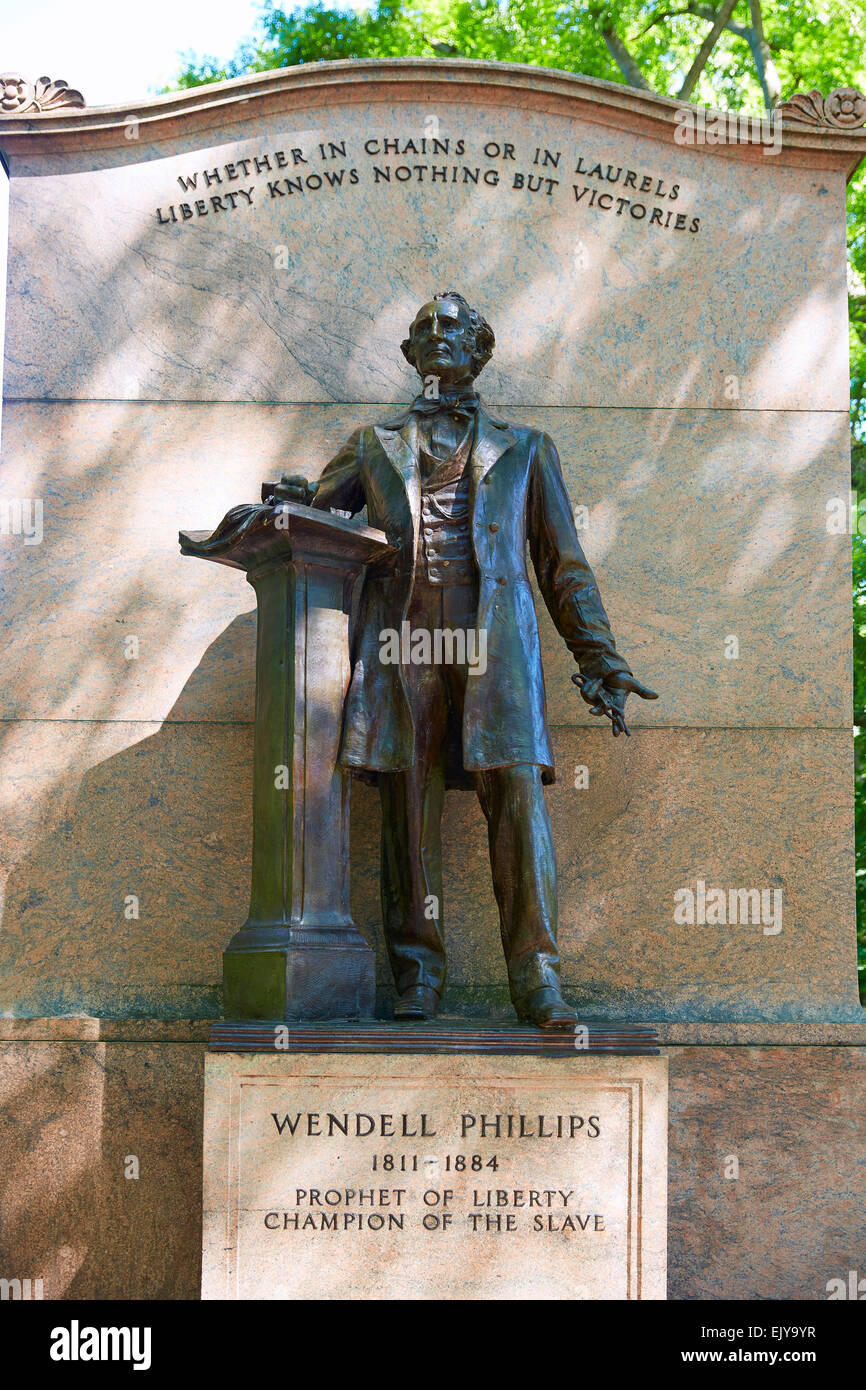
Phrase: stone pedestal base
(434, 1177)
(788, 1101)
(294, 974)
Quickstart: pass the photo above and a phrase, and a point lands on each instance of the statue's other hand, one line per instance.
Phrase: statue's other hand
(608, 696)
(295, 488)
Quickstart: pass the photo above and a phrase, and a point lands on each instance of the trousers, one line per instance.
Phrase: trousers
(522, 855)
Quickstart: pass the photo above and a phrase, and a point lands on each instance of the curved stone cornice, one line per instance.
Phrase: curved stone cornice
(223, 104)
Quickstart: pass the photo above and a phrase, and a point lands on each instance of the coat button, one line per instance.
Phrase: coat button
(493, 527)
(499, 579)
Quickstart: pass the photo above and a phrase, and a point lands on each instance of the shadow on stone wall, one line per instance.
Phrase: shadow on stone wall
(169, 820)
(165, 814)
(74, 1116)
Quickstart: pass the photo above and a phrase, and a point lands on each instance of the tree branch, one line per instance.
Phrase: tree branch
(768, 76)
(699, 12)
(707, 12)
(659, 18)
(623, 59)
(720, 21)
(753, 34)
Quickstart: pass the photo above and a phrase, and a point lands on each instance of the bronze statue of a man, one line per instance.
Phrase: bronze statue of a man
(459, 495)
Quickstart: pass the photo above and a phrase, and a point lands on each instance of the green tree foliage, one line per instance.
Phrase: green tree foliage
(808, 44)
(765, 50)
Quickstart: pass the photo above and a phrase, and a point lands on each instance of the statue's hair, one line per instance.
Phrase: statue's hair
(484, 339)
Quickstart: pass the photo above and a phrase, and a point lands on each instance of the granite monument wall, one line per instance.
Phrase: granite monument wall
(211, 288)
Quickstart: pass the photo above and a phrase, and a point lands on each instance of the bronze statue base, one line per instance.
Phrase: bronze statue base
(298, 972)
(444, 1035)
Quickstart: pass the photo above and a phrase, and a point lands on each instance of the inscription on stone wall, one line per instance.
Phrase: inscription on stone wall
(331, 168)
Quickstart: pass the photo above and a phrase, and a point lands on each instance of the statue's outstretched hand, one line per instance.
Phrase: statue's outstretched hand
(607, 695)
(295, 488)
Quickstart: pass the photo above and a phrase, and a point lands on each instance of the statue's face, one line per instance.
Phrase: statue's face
(442, 341)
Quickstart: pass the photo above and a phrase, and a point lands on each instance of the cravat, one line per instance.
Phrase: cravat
(461, 404)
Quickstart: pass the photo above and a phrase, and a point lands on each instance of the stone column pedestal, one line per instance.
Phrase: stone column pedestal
(299, 954)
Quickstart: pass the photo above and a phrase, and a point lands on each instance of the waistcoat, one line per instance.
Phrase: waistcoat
(445, 552)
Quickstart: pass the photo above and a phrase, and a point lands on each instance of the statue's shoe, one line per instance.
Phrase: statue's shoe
(546, 1008)
(417, 1002)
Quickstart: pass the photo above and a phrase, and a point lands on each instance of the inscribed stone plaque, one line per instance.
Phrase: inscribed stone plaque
(469, 1177)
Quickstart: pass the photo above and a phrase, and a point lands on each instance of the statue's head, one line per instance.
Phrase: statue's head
(448, 339)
